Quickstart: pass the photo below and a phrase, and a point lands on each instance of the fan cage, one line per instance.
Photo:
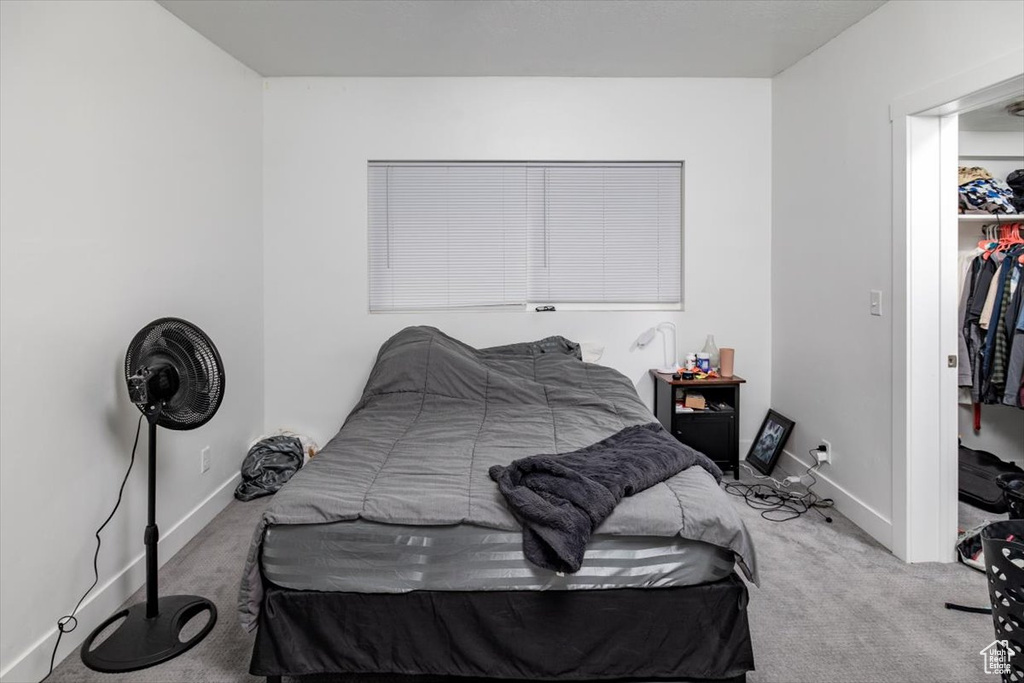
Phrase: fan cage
(196, 360)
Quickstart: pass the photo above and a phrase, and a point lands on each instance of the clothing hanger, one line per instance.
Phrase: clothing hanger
(989, 242)
(1009, 237)
(1000, 237)
(1015, 236)
(986, 242)
(1010, 234)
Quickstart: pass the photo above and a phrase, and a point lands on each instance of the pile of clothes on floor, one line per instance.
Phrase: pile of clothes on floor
(271, 461)
(968, 544)
(981, 193)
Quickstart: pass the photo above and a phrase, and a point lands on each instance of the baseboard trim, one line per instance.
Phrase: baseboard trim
(877, 525)
(33, 664)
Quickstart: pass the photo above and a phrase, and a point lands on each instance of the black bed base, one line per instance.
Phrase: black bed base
(694, 633)
(400, 678)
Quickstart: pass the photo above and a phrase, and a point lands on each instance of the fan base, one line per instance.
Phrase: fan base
(141, 642)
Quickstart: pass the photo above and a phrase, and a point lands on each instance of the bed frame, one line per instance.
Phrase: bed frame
(692, 633)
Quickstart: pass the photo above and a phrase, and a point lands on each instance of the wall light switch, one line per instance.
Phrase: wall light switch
(876, 302)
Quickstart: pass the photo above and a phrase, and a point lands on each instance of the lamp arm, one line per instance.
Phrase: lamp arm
(670, 362)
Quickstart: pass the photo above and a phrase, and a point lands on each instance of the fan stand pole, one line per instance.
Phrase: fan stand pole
(152, 532)
(151, 633)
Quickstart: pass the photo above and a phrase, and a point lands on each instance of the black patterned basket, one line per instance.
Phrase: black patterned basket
(1003, 544)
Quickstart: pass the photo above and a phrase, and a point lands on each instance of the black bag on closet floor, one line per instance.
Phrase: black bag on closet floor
(978, 472)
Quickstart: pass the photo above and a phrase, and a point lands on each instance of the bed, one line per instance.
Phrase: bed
(392, 551)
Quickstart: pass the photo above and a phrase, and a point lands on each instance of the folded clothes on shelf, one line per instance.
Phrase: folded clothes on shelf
(984, 195)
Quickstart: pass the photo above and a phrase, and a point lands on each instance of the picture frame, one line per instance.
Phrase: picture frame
(770, 440)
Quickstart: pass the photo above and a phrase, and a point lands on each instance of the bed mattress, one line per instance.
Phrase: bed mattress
(360, 556)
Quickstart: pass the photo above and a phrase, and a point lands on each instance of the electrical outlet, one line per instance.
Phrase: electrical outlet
(204, 460)
(826, 455)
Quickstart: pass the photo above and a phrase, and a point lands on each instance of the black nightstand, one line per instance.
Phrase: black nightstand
(715, 433)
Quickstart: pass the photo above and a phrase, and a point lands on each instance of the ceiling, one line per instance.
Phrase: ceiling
(627, 38)
(992, 119)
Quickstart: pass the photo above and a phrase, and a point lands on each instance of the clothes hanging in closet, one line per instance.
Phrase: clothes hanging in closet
(1016, 363)
(992, 323)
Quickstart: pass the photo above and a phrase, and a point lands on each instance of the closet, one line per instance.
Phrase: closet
(992, 139)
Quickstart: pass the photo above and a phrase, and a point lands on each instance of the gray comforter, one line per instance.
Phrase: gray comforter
(436, 414)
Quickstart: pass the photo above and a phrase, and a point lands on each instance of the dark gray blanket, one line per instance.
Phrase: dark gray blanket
(561, 499)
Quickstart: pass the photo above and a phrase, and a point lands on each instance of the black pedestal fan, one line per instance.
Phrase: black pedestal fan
(176, 378)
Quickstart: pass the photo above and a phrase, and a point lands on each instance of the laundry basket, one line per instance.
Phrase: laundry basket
(1003, 544)
(1013, 493)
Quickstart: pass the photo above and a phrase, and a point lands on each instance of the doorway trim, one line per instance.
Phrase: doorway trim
(924, 142)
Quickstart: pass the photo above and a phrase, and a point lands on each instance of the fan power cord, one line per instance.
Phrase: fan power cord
(777, 504)
(68, 622)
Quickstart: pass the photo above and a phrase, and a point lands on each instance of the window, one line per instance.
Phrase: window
(481, 234)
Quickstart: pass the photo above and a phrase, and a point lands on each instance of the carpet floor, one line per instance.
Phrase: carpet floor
(833, 605)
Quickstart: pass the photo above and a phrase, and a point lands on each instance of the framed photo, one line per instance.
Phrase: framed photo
(770, 440)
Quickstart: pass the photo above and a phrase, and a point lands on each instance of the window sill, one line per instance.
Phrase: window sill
(622, 307)
(531, 308)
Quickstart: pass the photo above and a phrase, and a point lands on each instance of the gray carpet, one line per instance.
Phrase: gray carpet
(969, 516)
(833, 606)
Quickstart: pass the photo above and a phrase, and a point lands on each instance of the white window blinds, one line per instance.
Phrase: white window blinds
(605, 233)
(477, 234)
(447, 236)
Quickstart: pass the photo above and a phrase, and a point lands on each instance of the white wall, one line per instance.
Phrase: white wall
(832, 228)
(319, 134)
(130, 189)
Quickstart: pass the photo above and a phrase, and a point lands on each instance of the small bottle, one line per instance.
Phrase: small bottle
(691, 361)
(711, 350)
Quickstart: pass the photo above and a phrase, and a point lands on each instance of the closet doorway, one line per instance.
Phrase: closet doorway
(927, 238)
(989, 419)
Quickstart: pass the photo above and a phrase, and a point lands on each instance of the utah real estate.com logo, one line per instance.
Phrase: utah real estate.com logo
(997, 657)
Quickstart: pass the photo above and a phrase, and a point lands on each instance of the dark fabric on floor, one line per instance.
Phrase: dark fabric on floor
(561, 499)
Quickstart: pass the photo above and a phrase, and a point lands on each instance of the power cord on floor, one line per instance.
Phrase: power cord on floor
(777, 504)
(965, 608)
(69, 623)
